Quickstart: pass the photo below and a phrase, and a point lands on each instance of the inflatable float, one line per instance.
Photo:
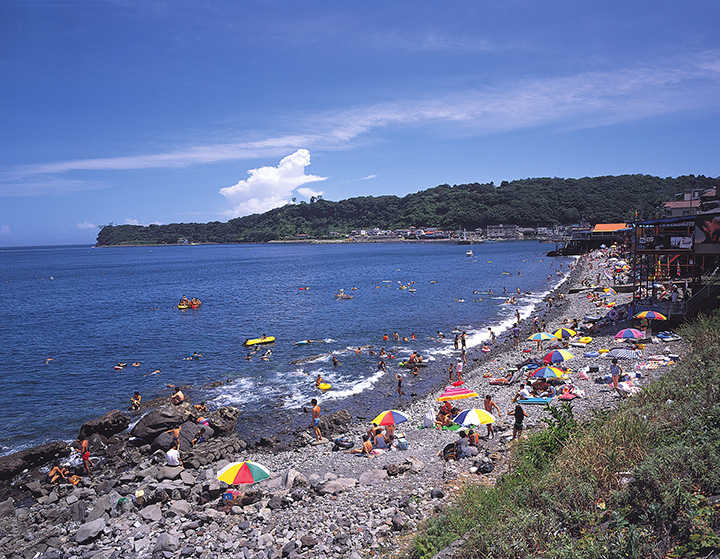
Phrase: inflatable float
(258, 341)
(536, 400)
(585, 340)
(458, 383)
(324, 386)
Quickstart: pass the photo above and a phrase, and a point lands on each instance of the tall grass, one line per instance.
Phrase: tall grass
(631, 483)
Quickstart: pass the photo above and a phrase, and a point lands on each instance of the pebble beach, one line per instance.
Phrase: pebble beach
(319, 501)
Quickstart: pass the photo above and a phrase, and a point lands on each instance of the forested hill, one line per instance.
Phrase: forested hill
(527, 202)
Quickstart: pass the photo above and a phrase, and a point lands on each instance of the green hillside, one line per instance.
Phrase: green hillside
(526, 202)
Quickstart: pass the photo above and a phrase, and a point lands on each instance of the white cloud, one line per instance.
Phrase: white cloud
(270, 187)
(308, 193)
(131, 221)
(4, 230)
(369, 177)
(85, 224)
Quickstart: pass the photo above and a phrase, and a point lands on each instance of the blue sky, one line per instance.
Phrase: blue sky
(159, 112)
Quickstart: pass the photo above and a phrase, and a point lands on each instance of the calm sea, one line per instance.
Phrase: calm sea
(72, 313)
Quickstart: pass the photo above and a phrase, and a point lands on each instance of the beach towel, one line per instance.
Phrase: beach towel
(535, 401)
(454, 427)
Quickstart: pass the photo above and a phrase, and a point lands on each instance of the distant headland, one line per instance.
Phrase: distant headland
(443, 212)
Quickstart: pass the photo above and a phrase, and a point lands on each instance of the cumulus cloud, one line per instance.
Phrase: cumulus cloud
(271, 187)
(131, 221)
(85, 224)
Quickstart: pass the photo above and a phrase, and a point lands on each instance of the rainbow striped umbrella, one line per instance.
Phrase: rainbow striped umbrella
(474, 416)
(565, 333)
(390, 417)
(629, 333)
(541, 336)
(548, 372)
(243, 472)
(610, 291)
(557, 355)
(652, 315)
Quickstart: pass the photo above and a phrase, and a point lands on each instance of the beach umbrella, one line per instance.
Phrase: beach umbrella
(548, 372)
(557, 355)
(624, 353)
(456, 393)
(651, 315)
(629, 333)
(610, 291)
(565, 333)
(243, 472)
(541, 336)
(474, 416)
(390, 417)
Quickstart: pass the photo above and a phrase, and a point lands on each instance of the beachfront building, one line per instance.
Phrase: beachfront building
(503, 232)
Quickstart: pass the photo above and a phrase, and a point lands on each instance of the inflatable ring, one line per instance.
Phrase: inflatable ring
(565, 389)
(613, 314)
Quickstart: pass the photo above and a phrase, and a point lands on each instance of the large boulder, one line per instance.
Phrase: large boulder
(13, 464)
(334, 422)
(160, 420)
(223, 420)
(188, 430)
(112, 423)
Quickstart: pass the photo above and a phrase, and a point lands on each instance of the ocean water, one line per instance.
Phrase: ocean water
(72, 313)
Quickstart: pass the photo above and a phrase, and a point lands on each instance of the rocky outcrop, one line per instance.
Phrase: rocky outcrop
(158, 421)
(13, 464)
(335, 422)
(112, 423)
(223, 420)
(188, 431)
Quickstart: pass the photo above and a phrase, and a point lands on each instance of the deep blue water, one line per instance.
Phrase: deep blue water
(89, 308)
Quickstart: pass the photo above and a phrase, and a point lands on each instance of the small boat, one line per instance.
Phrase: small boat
(120, 366)
(343, 296)
(183, 307)
(258, 341)
(469, 253)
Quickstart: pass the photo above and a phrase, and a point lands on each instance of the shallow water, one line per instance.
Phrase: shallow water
(73, 313)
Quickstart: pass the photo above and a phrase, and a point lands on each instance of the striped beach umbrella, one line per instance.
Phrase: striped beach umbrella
(557, 355)
(243, 472)
(565, 333)
(474, 416)
(390, 417)
(624, 353)
(548, 372)
(651, 315)
(610, 291)
(629, 334)
(541, 337)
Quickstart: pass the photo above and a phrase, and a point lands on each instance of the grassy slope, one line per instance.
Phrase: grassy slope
(636, 482)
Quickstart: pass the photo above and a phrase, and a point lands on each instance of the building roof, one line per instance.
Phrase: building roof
(609, 227)
(682, 204)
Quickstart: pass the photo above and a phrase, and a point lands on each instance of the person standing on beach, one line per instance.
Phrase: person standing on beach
(536, 324)
(451, 370)
(489, 405)
(492, 336)
(517, 316)
(463, 340)
(615, 372)
(399, 379)
(458, 370)
(85, 455)
(520, 415)
(464, 355)
(316, 419)
(516, 335)
(456, 341)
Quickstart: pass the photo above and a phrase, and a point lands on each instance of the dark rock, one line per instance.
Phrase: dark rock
(281, 447)
(7, 508)
(188, 431)
(78, 511)
(392, 469)
(334, 422)
(275, 503)
(223, 420)
(437, 494)
(13, 464)
(288, 548)
(308, 541)
(35, 488)
(105, 487)
(398, 523)
(166, 542)
(158, 421)
(89, 530)
(112, 423)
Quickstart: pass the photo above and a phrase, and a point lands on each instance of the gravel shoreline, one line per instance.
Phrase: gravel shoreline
(319, 502)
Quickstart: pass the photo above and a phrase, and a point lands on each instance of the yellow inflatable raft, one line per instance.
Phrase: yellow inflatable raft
(257, 341)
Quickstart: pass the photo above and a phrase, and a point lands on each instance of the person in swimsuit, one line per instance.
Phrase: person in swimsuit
(520, 415)
(365, 449)
(489, 405)
(176, 436)
(398, 377)
(85, 455)
(135, 401)
(316, 419)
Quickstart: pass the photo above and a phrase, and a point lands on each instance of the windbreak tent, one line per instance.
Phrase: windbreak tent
(429, 419)
(624, 353)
